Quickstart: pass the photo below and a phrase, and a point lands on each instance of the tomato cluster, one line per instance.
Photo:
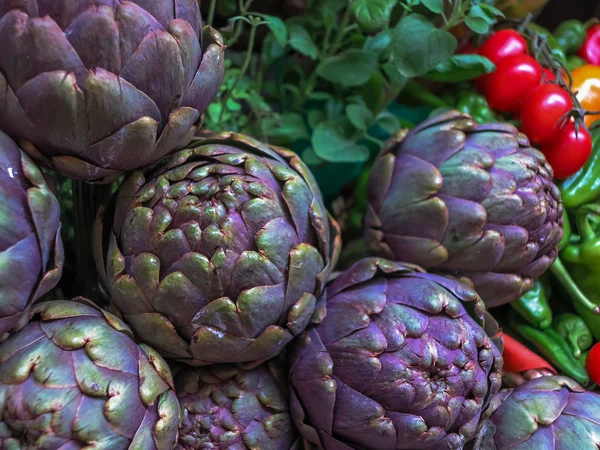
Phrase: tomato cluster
(520, 86)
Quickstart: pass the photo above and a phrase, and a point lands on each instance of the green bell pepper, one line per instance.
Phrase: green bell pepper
(556, 49)
(476, 106)
(554, 348)
(584, 186)
(573, 329)
(571, 35)
(582, 257)
(534, 306)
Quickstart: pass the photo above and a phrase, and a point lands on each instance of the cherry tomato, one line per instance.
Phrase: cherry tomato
(497, 47)
(592, 363)
(514, 77)
(502, 44)
(586, 83)
(542, 110)
(548, 76)
(569, 152)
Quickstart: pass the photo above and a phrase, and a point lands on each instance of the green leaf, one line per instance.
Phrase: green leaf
(290, 126)
(477, 24)
(301, 41)
(372, 15)
(491, 10)
(388, 122)
(393, 73)
(378, 42)
(315, 117)
(436, 6)
(310, 157)
(360, 116)
(461, 68)
(320, 96)
(354, 67)
(277, 27)
(418, 46)
(334, 141)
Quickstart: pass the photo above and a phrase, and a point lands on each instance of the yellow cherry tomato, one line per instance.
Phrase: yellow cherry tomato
(586, 82)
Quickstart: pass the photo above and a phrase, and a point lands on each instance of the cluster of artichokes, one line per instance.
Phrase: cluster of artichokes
(217, 253)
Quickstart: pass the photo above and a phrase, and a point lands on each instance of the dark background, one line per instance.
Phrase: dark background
(558, 11)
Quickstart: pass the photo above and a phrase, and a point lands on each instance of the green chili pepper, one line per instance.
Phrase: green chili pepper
(575, 62)
(554, 348)
(534, 306)
(476, 106)
(571, 35)
(582, 258)
(555, 47)
(573, 329)
(584, 186)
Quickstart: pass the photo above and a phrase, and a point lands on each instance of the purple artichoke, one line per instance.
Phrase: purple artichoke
(31, 250)
(547, 413)
(468, 200)
(225, 407)
(93, 88)
(397, 363)
(220, 254)
(74, 378)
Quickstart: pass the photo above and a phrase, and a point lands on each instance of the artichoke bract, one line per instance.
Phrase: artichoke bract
(468, 200)
(400, 361)
(220, 254)
(95, 88)
(74, 378)
(224, 406)
(549, 413)
(31, 249)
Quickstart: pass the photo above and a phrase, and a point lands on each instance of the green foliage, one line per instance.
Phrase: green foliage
(322, 83)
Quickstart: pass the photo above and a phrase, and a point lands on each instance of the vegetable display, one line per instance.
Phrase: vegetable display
(74, 377)
(80, 89)
(466, 199)
(31, 248)
(344, 225)
(221, 254)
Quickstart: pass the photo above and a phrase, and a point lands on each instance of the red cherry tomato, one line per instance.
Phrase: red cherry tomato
(548, 75)
(514, 77)
(542, 110)
(497, 47)
(592, 363)
(569, 151)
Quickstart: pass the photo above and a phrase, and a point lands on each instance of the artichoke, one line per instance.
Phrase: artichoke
(74, 378)
(94, 88)
(397, 363)
(549, 413)
(467, 200)
(220, 254)
(225, 406)
(31, 249)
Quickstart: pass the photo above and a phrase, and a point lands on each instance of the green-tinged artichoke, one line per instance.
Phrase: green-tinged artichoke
(220, 254)
(74, 378)
(397, 363)
(93, 88)
(226, 407)
(467, 200)
(547, 413)
(31, 249)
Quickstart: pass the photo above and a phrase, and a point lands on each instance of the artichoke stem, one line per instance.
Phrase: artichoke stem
(87, 198)
(562, 275)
